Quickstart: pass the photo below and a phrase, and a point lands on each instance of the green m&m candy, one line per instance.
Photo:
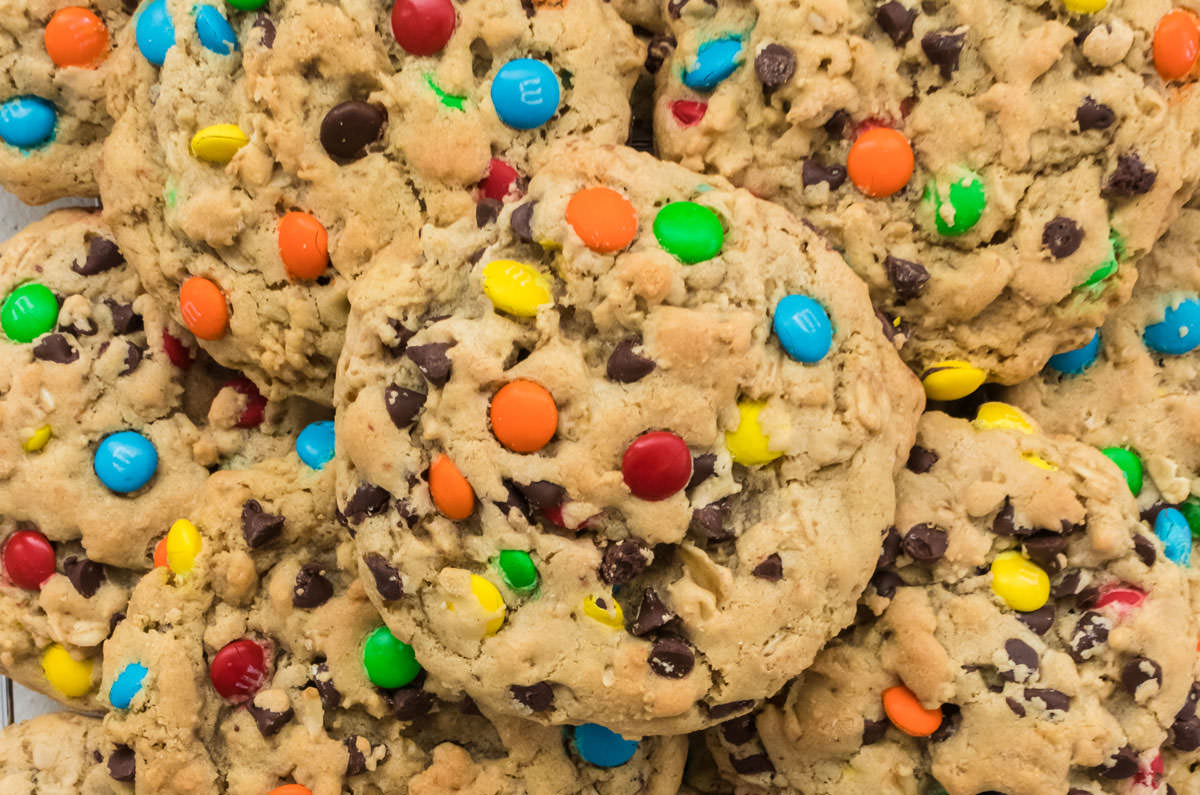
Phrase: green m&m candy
(1109, 266)
(517, 569)
(1190, 508)
(28, 312)
(390, 662)
(690, 232)
(1130, 465)
(247, 5)
(957, 204)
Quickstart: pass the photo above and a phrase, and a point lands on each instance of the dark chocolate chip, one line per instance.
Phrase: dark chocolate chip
(1090, 631)
(874, 730)
(896, 21)
(1017, 707)
(658, 50)
(813, 171)
(103, 255)
(259, 528)
(907, 278)
(925, 543)
(703, 467)
(753, 764)
(624, 560)
(487, 211)
(1023, 656)
(312, 589)
(1040, 620)
(402, 404)
(1185, 733)
(1062, 236)
(774, 65)
(122, 764)
(770, 569)
(1138, 672)
(113, 620)
(411, 703)
(739, 730)
(921, 459)
(1093, 115)
(350, 127)
(432, 361)
(840, 125)
(86, 575)
(951, 720)
(543, 494)
(125, 320)
(368, 500)
(521, 222)
(269, 723)
(625, 366)
(356, 761)
(266, 29)
(890, 549)
(886, 582)
(515, 500)
(1003, 524)
(403, 335)
(1130, 178)
(1050, 699)
(709, 522)
(722, 711)
(651, 614)
(1121, 765)
(942, 48)
(133, 358)
(86, 327)
(1069, 585)
(387, 578)
(1144, 549)
(538, 696)
(331, 697)
(1047, 550)
(55, 348)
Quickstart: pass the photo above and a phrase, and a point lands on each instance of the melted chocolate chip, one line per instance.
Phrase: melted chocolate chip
(774, 65)
(770, 569)
(514, 501)
(624, 560)
(1023, 656)
(55, 348)
(651, 614)
(521, 220)
(703, 467)
(1069, 585)
(1138, 672)
(921, 460)
(1003, 524)
(432, 361)
(951, 720)
(1144, 549)
(722, 711)
(658, 50)
(896, 21)
(538, 696)
(1048, 550)
(925, 543)
(133, 358)
(543, 494)
(331, 697)
(122, 764)
(387, 578)
(1049, 699)
(1017, 708)
(356, 761)
(840, 125)
(265, 28)
(411, 703)
(125, 320)
(874, 730)
(259, 528)
(368, 500)
(739, 730)
(942, 48)
(402, 404)
(1185, 733)
(269, 723)
(1093, 115)
(709, 522)
(625, 366)
(1130, 178)
(350, 127)
(312, 588)
(1040, 620)
(403, 335)
(1062, 236)
(907, 278)
(886, 582)
(487, 211)
(86, 575)
(814, 171)
(751, 765)
(1121, 765)
(1090, 631)
(103, 255)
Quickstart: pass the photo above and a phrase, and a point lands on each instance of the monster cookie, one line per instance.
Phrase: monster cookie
(253, 657)
(995, 204)
(54, 66)
(261, 161)
(1030, 636)
(623, 453)
(61, 754)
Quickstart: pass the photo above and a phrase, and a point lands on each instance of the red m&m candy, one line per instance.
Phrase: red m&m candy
(1121, 597)
(500, 180)
(252, 414)
(422, 27)
(656, 465)
(176, 351)
(688, 112)
(238, 670)
(28, 559)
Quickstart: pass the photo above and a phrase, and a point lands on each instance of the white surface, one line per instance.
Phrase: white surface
(13, 217)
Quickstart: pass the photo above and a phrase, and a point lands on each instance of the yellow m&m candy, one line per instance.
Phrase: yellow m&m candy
(605, 610)
(515, 288)
(951, 379)
(37, 440)
(183, 545)
(1001, 415)
(218, 143)
(747, 443)
(1020, 582)
(491, 601)
(1085, 6)
(71, 677)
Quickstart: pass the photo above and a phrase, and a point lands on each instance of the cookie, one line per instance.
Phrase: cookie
(253, 177)
(54, 69)
(60, 754)
(254, 658)
(995, 205)
(639, 466)
(1024, 633)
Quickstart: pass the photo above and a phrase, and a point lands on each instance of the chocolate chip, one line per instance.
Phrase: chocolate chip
(356, 761)
(1023, 656)
(1144, 549)
(538, 696)
(624, 560)
(266, 28)
(709, 522)
(874, 730)
(403, 335)
(651, 614)
(402, 404)
(55, 348)
(269, 723)
(890, 549)
(331, 697)
(886, 582)
(113, 621)
(703, 467)
(739, 730)
(350, 127)
(625, 366)
(543, 494)
(1050, 699)
(751, 765)
(103, 255)
(1123, 764)
(942, 48)
(86, 575)
(411, 703)
(1185, 733)
(312, 588)
(1003, 524)
(259, 528)
(814, 171)
(775, 65)
(1017, 708)
(122, 764)
(951, 720)
(1048, 550)
(907, 278)
(1130, 178)
(521, 222)
(840, 125)
(432, 361)
(1062, 236)
(770, 569)
(921, 460)
(1138, 672)
(1090, 631)
(1093, 115)
(925, 543)
(86, 327)
(722, 711)
(1069, 585)
(487, 211)
(1040, 620)
(896, 21)
(125, 320)
(514, 501)
(368, 500)
(658, 51)
(387, 578)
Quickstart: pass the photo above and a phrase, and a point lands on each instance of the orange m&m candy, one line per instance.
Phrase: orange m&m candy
(604, 219)
(880, 162)
(906, 713)
(76, 37)
(1176, 44)
(160, 552)
(303, 245)
(202, 305)
(291, 789)
(451, 492)
(524, 417)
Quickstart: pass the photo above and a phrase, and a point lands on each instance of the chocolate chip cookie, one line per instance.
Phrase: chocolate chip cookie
(59, 754)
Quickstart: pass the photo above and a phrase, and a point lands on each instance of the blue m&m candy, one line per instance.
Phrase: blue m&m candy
(603, 747)
(27, 121)
(314, 445)
(214, 30)
(127, 685)
(1078, 360)
(525, 93)
(715, 61)
(125, 461)
(1172, 529)
(1179, 331)
(155, 32)
(803, 328)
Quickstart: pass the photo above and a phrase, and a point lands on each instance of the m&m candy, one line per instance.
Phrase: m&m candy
(127, 685)
(303, 245)
(518, 570)
(238, 670)
(28, 558)
(656, 465)
(1172, 529)
(449, 490)
(202, 305)
(255, 406)
(958, 204)
(125, 461)
(155, 32)
(602, 747)
(1122, 598)
(604, 610)
(951, 379)
(315, 444)
(38, 439)
(501, 180)
(1179, 330)
(1190, 508)
(1110, 263)
(524, 416)
(803, 328)
(1084, 6)
(689, 232)
(422, 27)
(906, 713)
(1020, 582)
(218, 143)
(488, 599)
(247, 5)
(715, 60)
(183, 545)
(291, 789)
(748, 444)
(214, 31)
(70, 677)
(389, 661)
(525, 93)
(27, 122)
(75, 36)
(28, 312)
(603, 219)
(1130, 464)
(1076, 361)
(994, 414)
(880, 162)
(515, 288)
(1176, 44)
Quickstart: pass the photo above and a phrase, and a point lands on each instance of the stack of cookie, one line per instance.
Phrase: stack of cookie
(527, 396)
